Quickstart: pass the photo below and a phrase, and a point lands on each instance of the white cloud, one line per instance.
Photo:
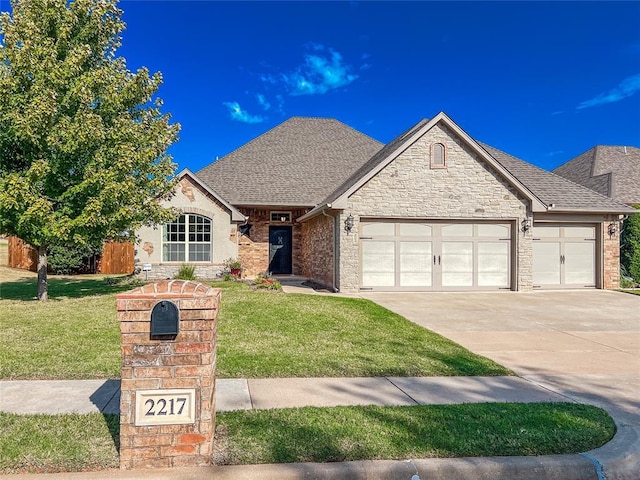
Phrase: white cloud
(322, 71)
(625, 88)
(241, 115)
(263, 101)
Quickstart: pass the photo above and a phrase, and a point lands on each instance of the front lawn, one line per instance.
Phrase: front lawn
(265, 334)
(58, 443)
(54, 443)
(337, 434)
(261, 334)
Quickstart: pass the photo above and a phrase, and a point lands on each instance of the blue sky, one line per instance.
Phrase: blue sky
(542, 81)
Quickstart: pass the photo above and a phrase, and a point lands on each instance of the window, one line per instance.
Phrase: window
(188, 238)
(281, 217)
(438, 159)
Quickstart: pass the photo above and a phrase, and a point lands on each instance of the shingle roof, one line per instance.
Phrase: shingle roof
(296, 163)
(552, 189)
(609, 170)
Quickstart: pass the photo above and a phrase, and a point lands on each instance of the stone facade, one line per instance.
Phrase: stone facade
(253, 248)
(186, 362)
(317, 249)
(611, 249)
(467, 189)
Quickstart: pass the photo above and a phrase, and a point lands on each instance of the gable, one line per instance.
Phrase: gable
(466, 186)
(193, 195)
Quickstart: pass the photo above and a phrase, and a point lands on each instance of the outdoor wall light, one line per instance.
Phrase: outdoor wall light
(525, 225)
(348, 224)
(612, 229)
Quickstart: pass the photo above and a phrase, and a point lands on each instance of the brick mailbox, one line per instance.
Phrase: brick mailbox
(167, 408)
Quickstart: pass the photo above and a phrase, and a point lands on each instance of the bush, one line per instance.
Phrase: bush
(630, 246)
(186, 272)
(267, 282)
(70, 259)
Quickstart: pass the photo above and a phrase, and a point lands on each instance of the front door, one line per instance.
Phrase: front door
(280, 250)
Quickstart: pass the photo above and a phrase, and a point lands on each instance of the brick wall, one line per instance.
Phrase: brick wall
(317, 249)
(467, 189)
(253, 249)
(186, 362)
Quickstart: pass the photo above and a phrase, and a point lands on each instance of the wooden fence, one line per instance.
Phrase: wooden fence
(116, 257)
(22, 255)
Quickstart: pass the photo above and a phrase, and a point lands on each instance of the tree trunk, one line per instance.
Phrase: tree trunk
(43, 287)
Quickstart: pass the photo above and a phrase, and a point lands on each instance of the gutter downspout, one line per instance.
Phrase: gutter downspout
(335, 257)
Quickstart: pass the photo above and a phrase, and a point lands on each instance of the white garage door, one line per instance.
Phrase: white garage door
(434, 256)
(564, 256)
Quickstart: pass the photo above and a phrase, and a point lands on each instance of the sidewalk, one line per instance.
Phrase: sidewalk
(86, 396)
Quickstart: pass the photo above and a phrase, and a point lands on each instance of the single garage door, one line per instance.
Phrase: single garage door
(434, 256)
(564, 256)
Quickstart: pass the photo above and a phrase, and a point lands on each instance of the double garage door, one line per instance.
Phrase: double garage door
(435, 256)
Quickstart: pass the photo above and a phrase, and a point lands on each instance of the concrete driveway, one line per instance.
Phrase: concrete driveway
(582, 344)
(543, 332)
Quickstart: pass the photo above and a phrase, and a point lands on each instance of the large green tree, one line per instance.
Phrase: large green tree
(82, 139)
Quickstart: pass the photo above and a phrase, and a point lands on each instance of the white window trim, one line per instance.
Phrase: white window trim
(186, 242)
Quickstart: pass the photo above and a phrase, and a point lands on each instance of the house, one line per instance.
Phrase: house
(611, 171)
(433, 210)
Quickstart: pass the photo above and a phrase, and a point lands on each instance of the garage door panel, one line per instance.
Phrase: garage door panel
(579, 263)
(457, 264)
(493, 264)
(415, 264)
(546, 264)
(378, 264)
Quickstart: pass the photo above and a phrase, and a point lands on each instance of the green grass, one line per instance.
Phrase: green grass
(261, 334)
(74, 335)
(83, 442)
(266, 334)
(58, 443)
(362, 433)
(634, 292)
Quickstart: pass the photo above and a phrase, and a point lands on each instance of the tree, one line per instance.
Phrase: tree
(630, 245)
(82, 139)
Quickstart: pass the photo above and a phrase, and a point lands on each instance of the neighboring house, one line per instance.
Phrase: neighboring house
(433, 210)
(611, 171)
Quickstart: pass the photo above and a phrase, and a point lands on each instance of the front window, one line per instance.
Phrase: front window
(188, 238)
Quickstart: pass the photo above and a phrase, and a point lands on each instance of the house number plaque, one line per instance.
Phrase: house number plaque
(165, 407)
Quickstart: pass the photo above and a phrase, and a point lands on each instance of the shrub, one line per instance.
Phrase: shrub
(186, 272)
(70, 259)
(630, 246)
(267, 282)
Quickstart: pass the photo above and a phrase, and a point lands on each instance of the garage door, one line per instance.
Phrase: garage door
(564, 256)
(434, 256)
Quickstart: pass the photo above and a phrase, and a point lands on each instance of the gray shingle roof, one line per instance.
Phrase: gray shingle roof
(550, 188)
(611, 171)
(295, 163)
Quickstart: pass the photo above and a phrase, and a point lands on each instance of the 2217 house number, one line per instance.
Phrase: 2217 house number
(165, 407)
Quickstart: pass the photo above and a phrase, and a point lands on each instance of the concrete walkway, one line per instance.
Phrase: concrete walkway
(86, 396)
